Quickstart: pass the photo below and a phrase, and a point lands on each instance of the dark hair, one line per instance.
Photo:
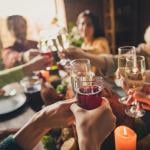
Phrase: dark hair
(94, 19)
(13, 20)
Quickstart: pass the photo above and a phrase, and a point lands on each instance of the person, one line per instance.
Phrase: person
(17, 73)
(89, 29)
(12, 55)
(105, 63)
(62, 114)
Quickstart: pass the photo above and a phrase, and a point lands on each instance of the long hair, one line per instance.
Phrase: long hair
(95, 22)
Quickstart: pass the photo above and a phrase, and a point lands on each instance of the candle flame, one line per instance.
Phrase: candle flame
(125, 131)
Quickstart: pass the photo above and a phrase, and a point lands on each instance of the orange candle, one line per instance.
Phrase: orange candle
(125, 138)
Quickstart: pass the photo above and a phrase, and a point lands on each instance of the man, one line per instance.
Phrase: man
(12, 55)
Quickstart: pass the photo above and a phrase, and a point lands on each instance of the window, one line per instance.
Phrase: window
(37, 12)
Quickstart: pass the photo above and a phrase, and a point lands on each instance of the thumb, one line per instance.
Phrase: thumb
(75, 108)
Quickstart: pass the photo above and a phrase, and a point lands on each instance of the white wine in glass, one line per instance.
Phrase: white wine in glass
(134, 70)
(123, 53)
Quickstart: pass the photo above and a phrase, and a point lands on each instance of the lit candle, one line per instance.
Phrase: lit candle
(125, 138)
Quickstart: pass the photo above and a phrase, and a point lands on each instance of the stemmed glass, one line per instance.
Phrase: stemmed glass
(44, 49)
(58, 44)
(134, 70)
(123, 53)
(79, 68)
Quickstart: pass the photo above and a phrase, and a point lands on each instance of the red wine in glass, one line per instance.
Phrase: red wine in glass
(89, 97)
(47, 55)
(33, 97)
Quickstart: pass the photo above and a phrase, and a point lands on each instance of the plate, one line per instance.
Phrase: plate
(13, 99)
(11, 103)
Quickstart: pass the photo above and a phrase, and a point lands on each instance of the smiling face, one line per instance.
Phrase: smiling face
(85, 27)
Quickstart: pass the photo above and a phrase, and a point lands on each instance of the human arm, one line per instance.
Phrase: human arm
(56, 115)
(93, 126)
(12, 58)
(17, 73)
(106, 63)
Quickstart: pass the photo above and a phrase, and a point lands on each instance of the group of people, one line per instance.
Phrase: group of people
(96, 48)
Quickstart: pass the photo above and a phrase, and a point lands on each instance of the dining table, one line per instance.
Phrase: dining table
(17, 119)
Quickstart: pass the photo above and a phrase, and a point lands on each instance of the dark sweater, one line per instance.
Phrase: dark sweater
(9, 144)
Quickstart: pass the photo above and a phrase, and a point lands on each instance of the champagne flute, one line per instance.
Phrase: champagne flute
(63, 44)
(134, 70)
(123, 53)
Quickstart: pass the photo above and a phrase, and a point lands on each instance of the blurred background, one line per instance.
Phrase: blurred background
(123, 22)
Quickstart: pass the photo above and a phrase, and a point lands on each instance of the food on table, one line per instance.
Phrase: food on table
(62, 88)
(66, 133)
(60, 139)
(70, 144)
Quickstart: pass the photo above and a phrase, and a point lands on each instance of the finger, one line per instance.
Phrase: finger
(129, 100)
(105, 103)
(146, 107)
(70, 101)
(75, 108)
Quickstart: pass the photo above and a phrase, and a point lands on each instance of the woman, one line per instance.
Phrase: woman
(94, 40)
(12, 55)
(91, 132)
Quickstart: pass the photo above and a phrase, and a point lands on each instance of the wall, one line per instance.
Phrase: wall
(74, 7)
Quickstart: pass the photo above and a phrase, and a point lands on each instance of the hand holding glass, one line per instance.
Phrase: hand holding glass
(89, 92)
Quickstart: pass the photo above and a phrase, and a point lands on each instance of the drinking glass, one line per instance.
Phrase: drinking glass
(44, 49)
(89, 92)
(134, 70)
(32, 88)
(123, 53)
(58, 44)
(79, 67)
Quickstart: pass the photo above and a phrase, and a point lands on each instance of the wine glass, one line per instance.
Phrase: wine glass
(89, 92)
(58, 44)
(134, 70)
(79, 67)
(123, 53)
(44, 50)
